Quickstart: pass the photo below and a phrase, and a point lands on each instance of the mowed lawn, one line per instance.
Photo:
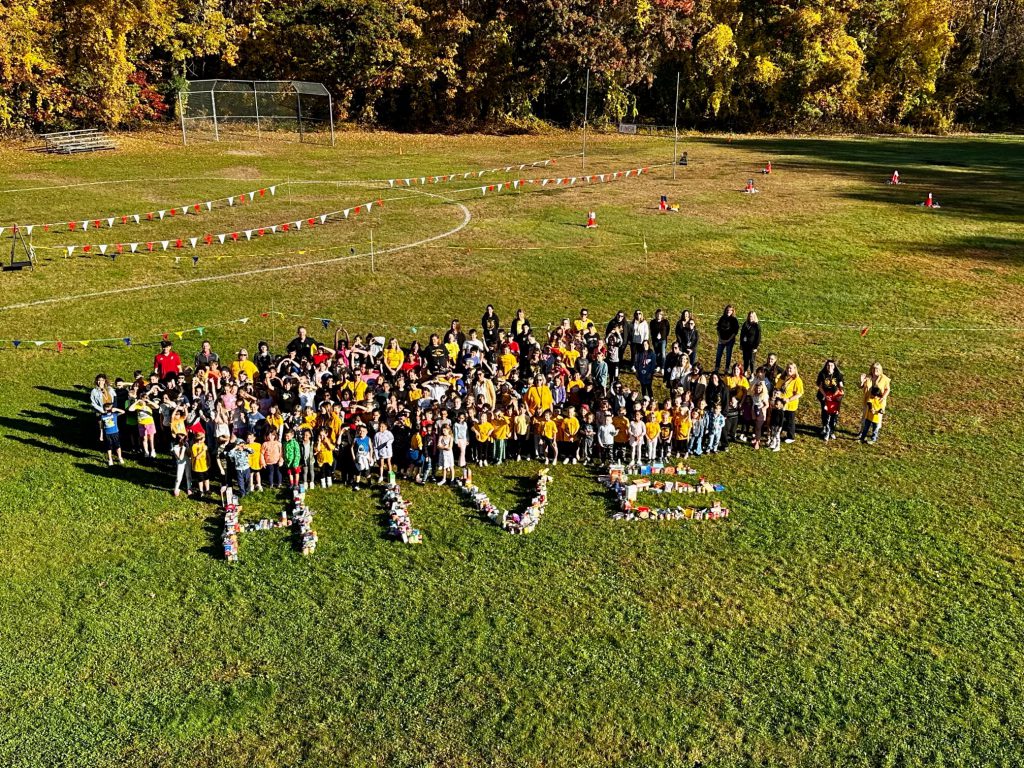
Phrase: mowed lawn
(862, 606)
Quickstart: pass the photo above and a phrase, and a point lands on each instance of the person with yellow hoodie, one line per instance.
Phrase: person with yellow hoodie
(789, 387)
(548, 438)
(568, 434)
(482, 431)
(502, 424)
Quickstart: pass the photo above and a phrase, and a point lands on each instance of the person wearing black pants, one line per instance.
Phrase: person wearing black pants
(728, 327)
(750, 340)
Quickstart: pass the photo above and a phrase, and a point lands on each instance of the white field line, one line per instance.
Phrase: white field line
(466, 218)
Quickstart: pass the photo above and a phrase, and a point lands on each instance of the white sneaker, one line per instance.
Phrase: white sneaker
(789, 440)
(110, 462)
(565, 461)
(776, 448)
(441, 482)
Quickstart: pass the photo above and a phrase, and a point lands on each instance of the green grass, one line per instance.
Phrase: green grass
(860, 606)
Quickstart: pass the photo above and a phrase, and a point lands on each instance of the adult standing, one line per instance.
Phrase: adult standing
(830, 394)
(167, 363)
(728, 328)
(303, 344)
(689, 340)
(101, 394)
(681, 324)
(435, 356)
(659, 337)
(489, 326)
(750, 340)
(875, 377)
(516, 329)
(790, 389)
(206, 355)
(646, 364)
(638, 331)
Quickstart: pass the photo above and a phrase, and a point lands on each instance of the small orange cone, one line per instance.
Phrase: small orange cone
(592, 220)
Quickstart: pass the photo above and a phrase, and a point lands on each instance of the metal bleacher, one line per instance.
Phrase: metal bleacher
(71, 142)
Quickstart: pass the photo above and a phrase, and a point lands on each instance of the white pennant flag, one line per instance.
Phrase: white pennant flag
(543, 182)
(165, 243)
(248, 234)
(133, 246)
(391, 182)
(85, 225)
(71, 249)
(243, 320)
(209, 205)
(483, 190)
(28, 229)
(193, 240)
(408, 182)
(499, 187)
(345, 213)
(273, 189)
(231, 201)
(423, 179)
(251, 196)
(601, 177)
(39, 343)
(273, 229)
(136, 217)
(323, 218)
(184, 210)
(572, 180)
(479, 174)
(465, 175)
(110, 222)
(3, 228)
(368, 207)
(220, 239)
(161, 214)
(103, 249)
(508, 169)
(298, 225)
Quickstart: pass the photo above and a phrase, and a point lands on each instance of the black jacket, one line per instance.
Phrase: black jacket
(659, 329)
(728, 326)
(750, 336)
(688, 341)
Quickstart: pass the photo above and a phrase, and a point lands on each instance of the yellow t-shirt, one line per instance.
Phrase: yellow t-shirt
(275, 421)
(549, 429)
(681, 424)
(538, 399)
(483, 431)
(324, 452)
(522, 424)
(883, 383)
(199, 454)
(568, 428)
(393, 358)
(248, 367)
(621, 424)
(502, 427)
(508, 362)
(453, 350)
(873, 409)
(652, 428)
(738, 386)
(570, 356)
(256, 457)
(309, 421)
(791, 388)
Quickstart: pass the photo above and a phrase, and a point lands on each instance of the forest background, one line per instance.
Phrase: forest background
(514, 65)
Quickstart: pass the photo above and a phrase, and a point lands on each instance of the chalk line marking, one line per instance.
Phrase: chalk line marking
(466, 218)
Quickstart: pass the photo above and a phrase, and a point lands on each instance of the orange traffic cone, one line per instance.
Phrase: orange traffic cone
(591, 220)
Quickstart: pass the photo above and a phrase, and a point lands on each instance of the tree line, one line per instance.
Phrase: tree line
(506, 64)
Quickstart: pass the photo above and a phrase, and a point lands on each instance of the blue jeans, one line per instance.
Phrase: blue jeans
(696, 443)
(244, 477)
(727, 348)
(870, 431)
(660, 348)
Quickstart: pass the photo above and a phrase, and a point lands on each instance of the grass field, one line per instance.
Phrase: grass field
(861, 607)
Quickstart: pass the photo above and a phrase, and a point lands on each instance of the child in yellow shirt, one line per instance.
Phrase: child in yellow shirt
(255, 464)
(481, 445)
(873, 407)
(502, 431)
(568, 431)
(548, 438)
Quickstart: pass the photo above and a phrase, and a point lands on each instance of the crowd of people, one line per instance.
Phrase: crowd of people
(364, 406)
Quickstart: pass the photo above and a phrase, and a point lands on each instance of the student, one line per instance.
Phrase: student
(238, 454)
(568, 431)
(109, 433)
(482, 431)
(272, 456)
(621, 446)
(652, 434)
(292, 458)
(830, 395)
(750, 341)
(383, 447)
(307, 477)
(607, 433)
(637, 433)
(182, 465)
(876, 378)
(255, 463)
(362, 455)
(695, 442)
(324, 454)
(548, 438)
(200, 464)
(775, 420)
(874, 405)
(499, 437)
(790, 388)
(716, 423)
(143, 409)
(446, 455)
(588, 437)
(460, 433)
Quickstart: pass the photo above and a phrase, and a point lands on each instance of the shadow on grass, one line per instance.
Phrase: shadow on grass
(141, 476)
